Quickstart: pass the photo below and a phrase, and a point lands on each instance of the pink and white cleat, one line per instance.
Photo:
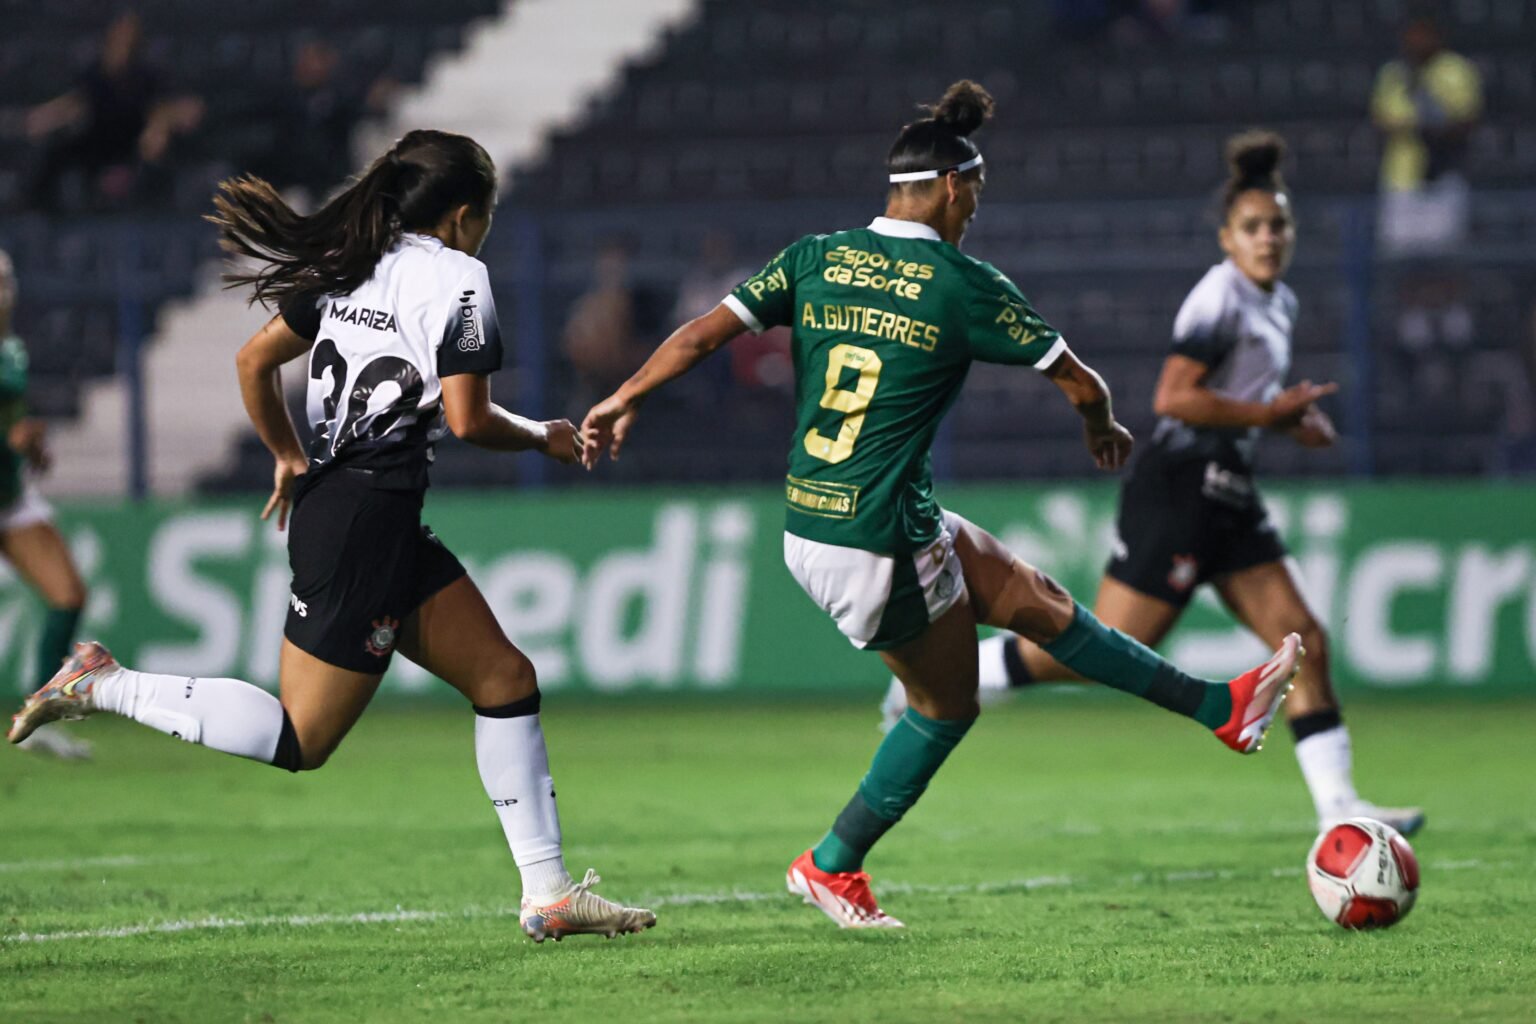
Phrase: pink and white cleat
(68, 694)
(1257, 695)
(844, 896)
(582, 912)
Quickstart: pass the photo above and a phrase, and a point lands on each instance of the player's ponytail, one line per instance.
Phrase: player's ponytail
(932, 146)
(423, 177)
(1253, 162)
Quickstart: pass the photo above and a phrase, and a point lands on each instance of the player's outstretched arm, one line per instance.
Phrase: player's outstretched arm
(1108, 442)
(259, 367)
(1182, 395)
(473, 417)
(608, 423)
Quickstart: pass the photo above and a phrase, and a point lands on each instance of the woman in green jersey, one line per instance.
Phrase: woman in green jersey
(1190, 512)
(886, 322)
(28, 539)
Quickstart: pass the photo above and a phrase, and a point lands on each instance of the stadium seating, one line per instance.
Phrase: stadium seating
(1102, 174)
(84, 271)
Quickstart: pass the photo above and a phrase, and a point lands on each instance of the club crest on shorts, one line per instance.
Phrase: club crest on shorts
(1185, 570)
(945, 587)
(382, 640)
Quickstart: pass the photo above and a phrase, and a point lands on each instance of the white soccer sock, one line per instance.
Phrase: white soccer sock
(1328, 766)
(990, 655)
(514, 767)
(223, 714)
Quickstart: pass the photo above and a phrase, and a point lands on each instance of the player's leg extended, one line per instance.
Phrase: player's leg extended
(40, 557)
(1268, 599)
(1012, 595)
(229, 715)
(455, 636)
(1145, 618)
(1007, 661)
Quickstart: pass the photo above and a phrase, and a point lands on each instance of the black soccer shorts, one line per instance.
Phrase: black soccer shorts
(1184, 521)
(362, 562)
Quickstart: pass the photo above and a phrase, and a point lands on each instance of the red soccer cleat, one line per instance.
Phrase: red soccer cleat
(1257, 695)
(843, 896)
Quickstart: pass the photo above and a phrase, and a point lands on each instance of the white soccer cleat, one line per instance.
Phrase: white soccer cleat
(582, 912)
(68, 695)
(54, 741)
(844, 896)
(1257, 695)
(1406, 820)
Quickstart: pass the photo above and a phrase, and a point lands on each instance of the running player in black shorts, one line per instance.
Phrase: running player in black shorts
(1189, 510)
(382, 289)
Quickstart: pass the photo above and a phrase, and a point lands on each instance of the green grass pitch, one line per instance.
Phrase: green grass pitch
(1081, 857)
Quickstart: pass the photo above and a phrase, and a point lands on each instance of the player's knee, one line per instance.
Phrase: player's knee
(1044, 610)
(511, 677)
(315, 751)
(304, 746)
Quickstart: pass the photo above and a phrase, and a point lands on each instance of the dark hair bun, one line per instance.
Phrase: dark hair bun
(964, 108)
(1254, 157)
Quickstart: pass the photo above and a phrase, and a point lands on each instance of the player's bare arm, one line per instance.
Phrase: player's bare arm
(1108, 442)
(259, 367)
(608, 423)
(473, 417)
(1182, 394)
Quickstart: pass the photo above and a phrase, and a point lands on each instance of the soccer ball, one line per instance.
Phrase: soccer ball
(1363, 874)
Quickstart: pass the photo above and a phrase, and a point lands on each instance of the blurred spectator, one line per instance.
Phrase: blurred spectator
(611, 326)
(702, 287)
(711, 278)
(1426, 105)
(311, 122)
(114, 123)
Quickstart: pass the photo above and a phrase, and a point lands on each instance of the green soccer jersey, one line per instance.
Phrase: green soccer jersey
(886, 322)
(13, 406)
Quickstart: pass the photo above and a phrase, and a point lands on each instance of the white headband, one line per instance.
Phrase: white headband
(974, 161)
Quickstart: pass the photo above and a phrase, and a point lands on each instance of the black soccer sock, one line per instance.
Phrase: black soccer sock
(1314, 722)
(1013, 663)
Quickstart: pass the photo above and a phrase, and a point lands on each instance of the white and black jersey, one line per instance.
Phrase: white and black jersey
(1243, 333)
(380, 353)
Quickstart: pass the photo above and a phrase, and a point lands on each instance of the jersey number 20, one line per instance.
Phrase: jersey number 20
(852, 403)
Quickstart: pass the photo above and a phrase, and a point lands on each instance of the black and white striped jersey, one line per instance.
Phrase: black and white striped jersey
(1243, 333)
(375, 372)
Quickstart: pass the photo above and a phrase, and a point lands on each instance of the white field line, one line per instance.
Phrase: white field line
(685, 899)
(81, 863)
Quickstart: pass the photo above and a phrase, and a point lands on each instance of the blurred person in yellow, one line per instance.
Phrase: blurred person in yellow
(1426, 105)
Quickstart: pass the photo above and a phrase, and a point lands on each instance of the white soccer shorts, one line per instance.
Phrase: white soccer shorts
(880, 601)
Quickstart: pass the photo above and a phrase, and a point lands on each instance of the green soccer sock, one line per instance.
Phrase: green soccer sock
(907, 759)
(53, 645)
(1108, 656)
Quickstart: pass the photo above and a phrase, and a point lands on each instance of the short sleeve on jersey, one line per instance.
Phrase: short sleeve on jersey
(302, 314)
(471, 341)
(767, 298)
(1004, 328)
(1202, 331)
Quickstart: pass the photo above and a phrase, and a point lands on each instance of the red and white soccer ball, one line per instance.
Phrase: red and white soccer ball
(1363, 874)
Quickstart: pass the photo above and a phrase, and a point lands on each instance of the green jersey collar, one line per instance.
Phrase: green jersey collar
(903, 229)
